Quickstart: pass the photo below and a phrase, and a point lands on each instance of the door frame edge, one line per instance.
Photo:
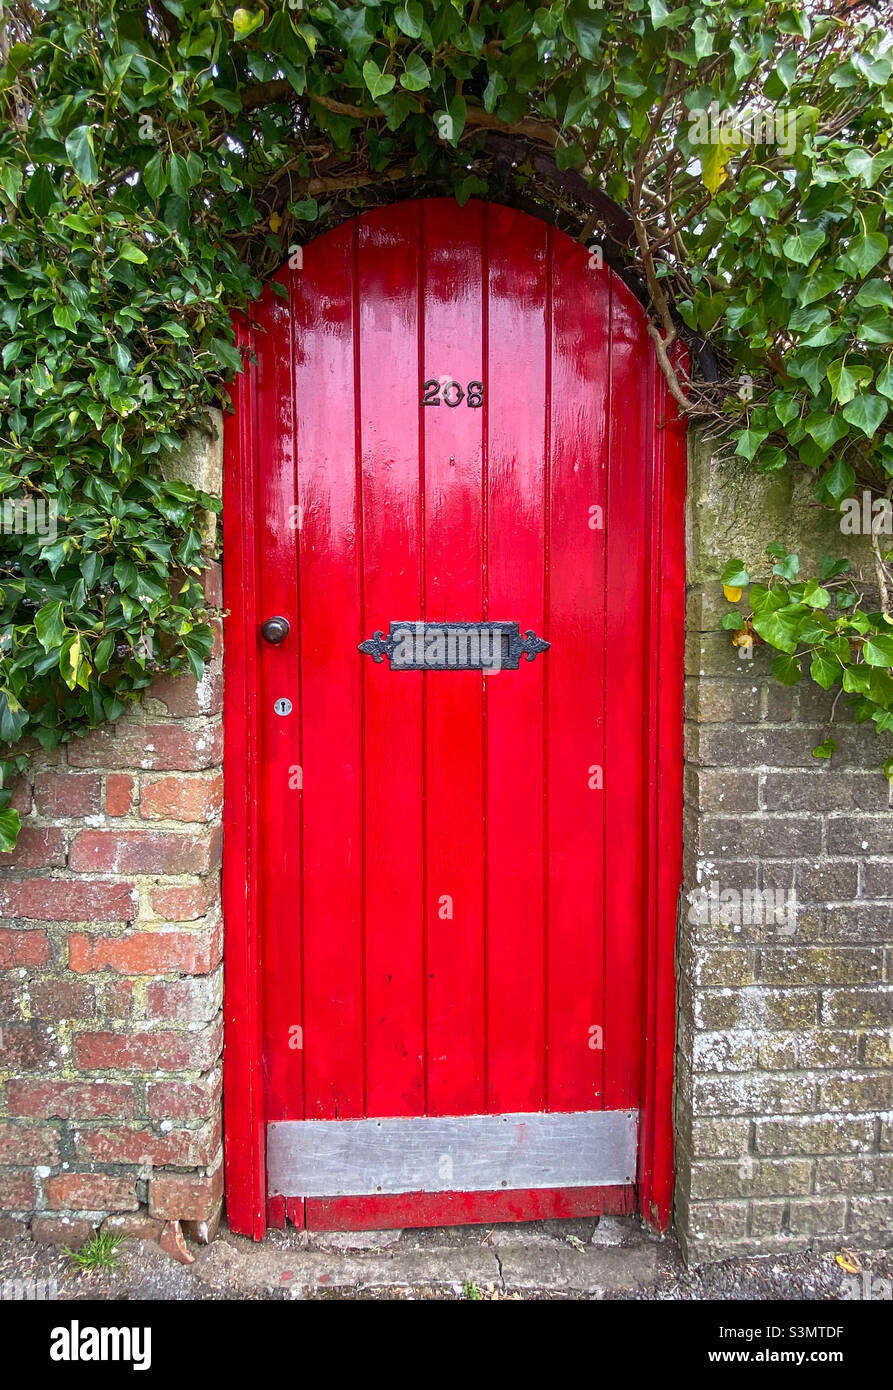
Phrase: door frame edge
(666, 755)
(243, 1100)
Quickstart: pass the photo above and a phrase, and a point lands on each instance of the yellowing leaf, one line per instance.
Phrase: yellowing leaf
(850, 1262)
(70, 660)
(275, 221)
(246, 21)
(714, 159)
(731, 593)
(308, 34)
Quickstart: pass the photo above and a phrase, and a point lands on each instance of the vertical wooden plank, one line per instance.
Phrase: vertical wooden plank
(279, 803)
(629, 481)
(295, 1211)
(390, 389)
(453, 699)
(245, 1131)
(331, 679)
(666, 705)
(276, 1213)
(516, 430)
(575, 679)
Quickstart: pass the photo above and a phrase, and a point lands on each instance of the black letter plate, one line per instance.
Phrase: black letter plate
(416, 646)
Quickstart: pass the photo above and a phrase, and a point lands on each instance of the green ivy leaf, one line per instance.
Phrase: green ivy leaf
(11, 182)
(749, 442)
(788, 567)
(815, 595)
(878, 650)
(873, 293)
(583, 25)
(451, 123)
(824, 669)
(155, 176)
(802, 246)
(40, 193)
(838, 481)
(779, 629)
(10, 825)
(495, 88)
(866, 413)
(49, 624)
(864, 252)
(103, 656)
(410, 18)
(786, 669)
(844, 382)
(305, 210)
(735, 575)
(226, 354)
(763, 600)
(177, 176)
(417, 75)
(379, 83)
(79, 148)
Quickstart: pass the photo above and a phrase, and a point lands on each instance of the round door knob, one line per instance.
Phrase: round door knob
(275, 630)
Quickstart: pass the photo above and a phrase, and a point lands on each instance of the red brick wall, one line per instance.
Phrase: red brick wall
(111, 976)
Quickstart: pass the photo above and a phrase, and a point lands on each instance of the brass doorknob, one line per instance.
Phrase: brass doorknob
(275, 630)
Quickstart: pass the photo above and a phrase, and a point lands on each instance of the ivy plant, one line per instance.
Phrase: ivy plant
(159, 158)
(819, 629)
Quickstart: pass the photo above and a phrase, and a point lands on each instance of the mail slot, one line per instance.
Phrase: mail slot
(418, 646)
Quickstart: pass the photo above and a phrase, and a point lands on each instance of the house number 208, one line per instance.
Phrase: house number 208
(452, 393)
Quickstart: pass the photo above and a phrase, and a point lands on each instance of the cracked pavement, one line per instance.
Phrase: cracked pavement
(612, 1258)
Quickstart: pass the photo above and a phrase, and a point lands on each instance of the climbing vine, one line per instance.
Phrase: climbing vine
(159, 159)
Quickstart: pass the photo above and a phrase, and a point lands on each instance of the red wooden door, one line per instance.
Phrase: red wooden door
(445, 896)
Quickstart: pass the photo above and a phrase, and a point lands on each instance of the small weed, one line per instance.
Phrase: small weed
(470, 1289)
(99, 1252)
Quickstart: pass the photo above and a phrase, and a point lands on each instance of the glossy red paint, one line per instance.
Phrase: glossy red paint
(544, 804)
(460, 1208)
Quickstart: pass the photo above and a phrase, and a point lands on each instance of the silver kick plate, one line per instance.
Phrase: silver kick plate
(452, 1153)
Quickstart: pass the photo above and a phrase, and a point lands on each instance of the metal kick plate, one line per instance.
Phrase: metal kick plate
(454, 1153)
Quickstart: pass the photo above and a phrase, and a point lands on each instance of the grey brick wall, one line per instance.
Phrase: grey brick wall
(784, 1087)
